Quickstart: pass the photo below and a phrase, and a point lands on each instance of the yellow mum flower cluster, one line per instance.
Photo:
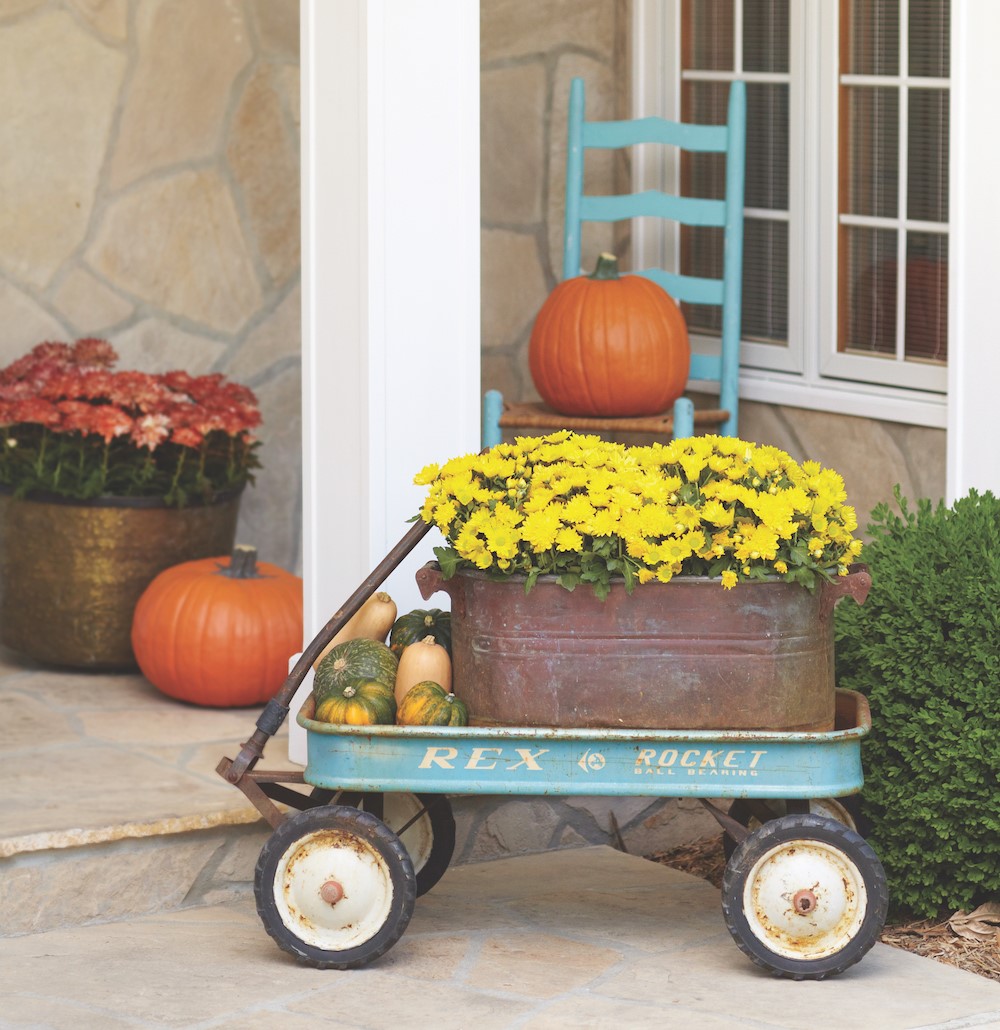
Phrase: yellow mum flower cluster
(589, 511)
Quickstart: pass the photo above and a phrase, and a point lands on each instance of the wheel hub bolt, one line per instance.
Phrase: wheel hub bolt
(331, 892)
(804, 902)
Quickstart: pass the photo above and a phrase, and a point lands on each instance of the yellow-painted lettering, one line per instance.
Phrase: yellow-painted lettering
(646, 756)
(693, 755)
(728, 760)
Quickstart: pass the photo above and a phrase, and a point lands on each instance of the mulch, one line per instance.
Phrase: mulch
(934, 939)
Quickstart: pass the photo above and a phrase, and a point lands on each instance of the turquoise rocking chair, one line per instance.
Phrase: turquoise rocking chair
(727, 213)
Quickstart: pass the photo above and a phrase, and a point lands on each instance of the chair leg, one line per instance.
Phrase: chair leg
(492, 410)
(683, 418)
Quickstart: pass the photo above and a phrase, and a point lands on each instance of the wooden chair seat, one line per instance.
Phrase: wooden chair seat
(532, 416)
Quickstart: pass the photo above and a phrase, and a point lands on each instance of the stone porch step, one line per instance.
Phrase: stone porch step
(111, 807)
(79, 877)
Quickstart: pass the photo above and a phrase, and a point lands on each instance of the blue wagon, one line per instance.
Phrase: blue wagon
(803, 895)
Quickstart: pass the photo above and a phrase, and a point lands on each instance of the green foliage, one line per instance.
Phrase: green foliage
(924, 649)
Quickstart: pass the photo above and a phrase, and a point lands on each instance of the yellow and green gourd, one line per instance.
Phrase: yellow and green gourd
(365, 703)
(417, 625)
(352, 662)
(429, 704)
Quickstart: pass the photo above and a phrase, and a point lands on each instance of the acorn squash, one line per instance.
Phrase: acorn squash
(416, 625)
(365, 703)
(429, 704)
(352, 662)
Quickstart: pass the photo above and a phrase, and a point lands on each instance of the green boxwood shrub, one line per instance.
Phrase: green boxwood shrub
(925, 649)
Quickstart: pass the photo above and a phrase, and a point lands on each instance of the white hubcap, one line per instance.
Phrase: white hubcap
(805, 899)
(332, 890)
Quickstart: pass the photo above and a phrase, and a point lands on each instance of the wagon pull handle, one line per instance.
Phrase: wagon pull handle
(276, 710)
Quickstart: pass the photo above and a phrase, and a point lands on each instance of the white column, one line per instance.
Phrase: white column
(974, 350)
(390, 268)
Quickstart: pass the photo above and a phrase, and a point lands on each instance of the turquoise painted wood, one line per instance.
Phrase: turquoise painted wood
(492, 410)
(656, 763)
(727, 214)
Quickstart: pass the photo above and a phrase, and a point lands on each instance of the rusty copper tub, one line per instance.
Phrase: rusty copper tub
(681, 655)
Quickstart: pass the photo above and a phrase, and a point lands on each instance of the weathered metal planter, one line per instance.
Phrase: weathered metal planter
(71, 572)
(682, 655)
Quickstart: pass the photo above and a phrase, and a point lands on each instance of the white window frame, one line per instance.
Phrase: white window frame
(834, 363)
(809, 373)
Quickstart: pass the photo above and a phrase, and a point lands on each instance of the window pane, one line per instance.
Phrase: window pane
(701, 254)
(930, 38)
(927, 297)
(767, 147)
(765, 35)
(708, 35)
(704, 103)
(765, 281)
(927, 155)
(871, 154)
(870, 37)
(867, 320)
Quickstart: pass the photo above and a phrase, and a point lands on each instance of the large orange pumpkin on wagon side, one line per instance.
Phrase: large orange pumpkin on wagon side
(609, 345)
(219, 632)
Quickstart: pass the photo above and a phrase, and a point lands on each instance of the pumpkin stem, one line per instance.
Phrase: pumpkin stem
(242, 563)
(607, 267)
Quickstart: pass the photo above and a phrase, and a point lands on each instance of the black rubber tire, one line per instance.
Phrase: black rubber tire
(742, 810)
(441, 826)
(359, 826)
(786, 830)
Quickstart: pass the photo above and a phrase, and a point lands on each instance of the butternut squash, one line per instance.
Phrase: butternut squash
(421, 661)
(371, 621)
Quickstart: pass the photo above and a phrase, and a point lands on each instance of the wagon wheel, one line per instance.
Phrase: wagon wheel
(804, 896)
(424, 823)
(754, 813)
(334, 887)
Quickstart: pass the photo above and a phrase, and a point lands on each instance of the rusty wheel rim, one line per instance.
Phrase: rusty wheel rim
(333, 889)
(805, 899)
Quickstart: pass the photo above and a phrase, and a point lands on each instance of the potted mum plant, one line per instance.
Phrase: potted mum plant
(106, 478)
(682, 585)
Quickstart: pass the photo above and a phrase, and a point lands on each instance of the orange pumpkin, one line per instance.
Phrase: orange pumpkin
(219, 632)
(609, 345)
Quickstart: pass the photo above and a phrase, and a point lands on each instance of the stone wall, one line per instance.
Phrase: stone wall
(149, 170)
(530, 50)
(872, 456)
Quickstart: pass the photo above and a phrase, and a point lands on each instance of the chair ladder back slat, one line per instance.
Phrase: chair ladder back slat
(686, 210)
(617, 135)
(688, 289)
